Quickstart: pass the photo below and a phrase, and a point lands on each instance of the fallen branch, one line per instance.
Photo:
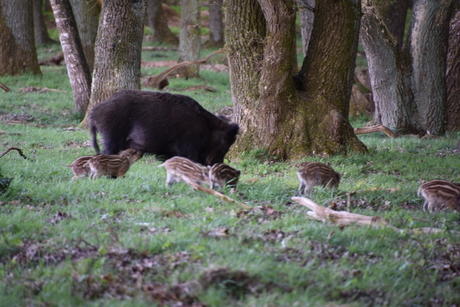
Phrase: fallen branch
(378, 128)
(197, 87)
(4, 87)
(159, 48)
(224, 197)
(14, 148)
(39, 89)
(160, 81)
(343, 218)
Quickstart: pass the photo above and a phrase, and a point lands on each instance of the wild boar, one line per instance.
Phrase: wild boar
(182, 169)
(316, 173)
(113, 166)
(439, 194)
(163, 124)
(221, 175)
(80, 167)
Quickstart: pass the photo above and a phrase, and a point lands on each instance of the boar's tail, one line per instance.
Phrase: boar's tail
(94, 134)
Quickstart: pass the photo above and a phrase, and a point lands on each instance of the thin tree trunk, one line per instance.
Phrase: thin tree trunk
(394, 15)
(159, 25)
(307, 16)
(216, 24)
(77, 67)
(86, 14)
(41, 32)
(453, 76)
(17, 41)
(118, 49)
(190, 37)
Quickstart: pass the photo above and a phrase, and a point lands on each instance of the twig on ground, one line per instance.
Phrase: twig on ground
(14, 148)
(224, 197)
(4, 87)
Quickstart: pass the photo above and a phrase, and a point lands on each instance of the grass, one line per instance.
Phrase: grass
(134, 242)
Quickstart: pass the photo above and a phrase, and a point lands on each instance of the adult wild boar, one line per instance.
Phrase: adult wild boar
(164, 124)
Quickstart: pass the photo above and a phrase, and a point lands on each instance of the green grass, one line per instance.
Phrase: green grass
(134, 242)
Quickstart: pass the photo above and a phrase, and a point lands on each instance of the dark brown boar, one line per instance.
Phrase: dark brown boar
(164, 124)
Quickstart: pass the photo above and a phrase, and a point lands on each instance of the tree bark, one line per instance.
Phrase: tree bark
(190, 37)
(292, 119)
(453, 76)
(428, 47)
(41, 32)
(17, 52)
(389, 72)
(216, 25)
(159, 25)
(86, 14)
(306, 16)
(409, 85)
(394, 14)
(118, 49)
(77, 67)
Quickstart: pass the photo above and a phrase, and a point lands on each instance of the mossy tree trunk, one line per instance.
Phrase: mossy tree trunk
(118, 50)
(292, 119)
(17, 40)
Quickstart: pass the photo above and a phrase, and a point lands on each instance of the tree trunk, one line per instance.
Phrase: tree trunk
(41, 32)
(394, 15)
(190, 37)
(77, 67)
(389, 72)
(216, 25)
(118, 49)
(86, 14)
(17, 52)
(453, 76)
(272, 113)
(429, 36)
(159, 25)
(306, 16)
(409, 86)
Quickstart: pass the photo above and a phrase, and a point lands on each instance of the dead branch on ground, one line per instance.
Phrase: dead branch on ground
(4, 87)
(160, 81)
(159, 48)
(343, 218)
(378, 128)
(224, 197)
(14, 148)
